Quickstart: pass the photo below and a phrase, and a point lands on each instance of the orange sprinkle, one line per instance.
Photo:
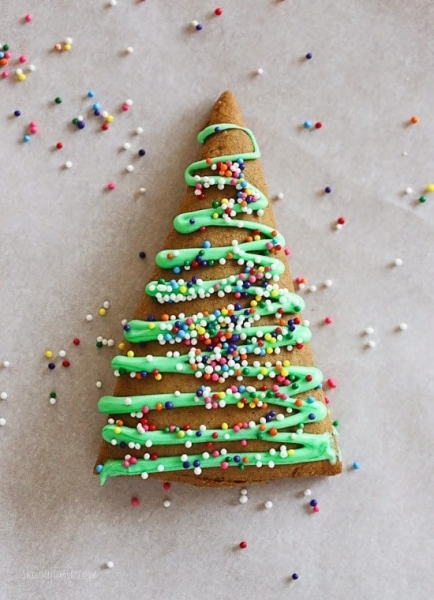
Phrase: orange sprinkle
(208, 161)
(158, 406)
(164, 317)
(169, 255)
(273, 431)
(414, 119)
(261, 427)
(298, 403)
(119, 423)
(245, 460)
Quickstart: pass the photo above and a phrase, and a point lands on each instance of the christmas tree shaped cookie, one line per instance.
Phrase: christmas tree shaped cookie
(217, 384)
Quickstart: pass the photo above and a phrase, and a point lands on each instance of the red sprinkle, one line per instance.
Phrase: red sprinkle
(341, 221)
(104, 126)
(218, 11)
(166, 485)
(318, 125)
(328, 320)
(66, 363)
(111, 186)
(135, 501)
(76, 342)
(332, 383)
(59, 145)
(243, 545)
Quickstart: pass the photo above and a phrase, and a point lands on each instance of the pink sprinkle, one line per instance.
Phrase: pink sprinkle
(5, 74)
(332, 383)
(224, 465)
(133, 460)
(316, 508)
(236, 428)
(215, 453)
(8, 54)
(135, 501)
(126, 464)
(328, 320)
(33, 124)
(326, 400)
(28, 18)
(243, 442)
(125, 107)
(287, 251)
(111, 186)
(22, 58)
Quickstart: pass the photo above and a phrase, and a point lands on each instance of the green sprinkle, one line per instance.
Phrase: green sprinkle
(336, 423)
(75, 121)
(58, 100)
(99, 344)
(5, 46)
(53, 395)
(422, 199)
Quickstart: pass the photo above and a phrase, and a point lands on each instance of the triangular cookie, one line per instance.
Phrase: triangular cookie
(217, 385)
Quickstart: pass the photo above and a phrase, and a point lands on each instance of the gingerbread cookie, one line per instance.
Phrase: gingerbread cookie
(217, 385)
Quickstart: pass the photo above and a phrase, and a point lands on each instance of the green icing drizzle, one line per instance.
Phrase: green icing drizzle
(257, 257)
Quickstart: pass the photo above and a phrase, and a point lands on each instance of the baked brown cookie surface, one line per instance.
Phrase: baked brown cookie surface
(218, 385)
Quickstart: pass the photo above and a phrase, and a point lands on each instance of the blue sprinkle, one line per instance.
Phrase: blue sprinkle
(307, 124)
(98, 468)
(356, 465)
(90, 94)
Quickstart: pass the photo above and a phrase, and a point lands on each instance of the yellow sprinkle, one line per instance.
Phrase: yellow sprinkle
(159, 377)
(240, 405)
(130, 353)
(151, 325)
(117, 430)
(257, 238)
(201, 330)
(48, 354)
(224, 201)
(291, 452)
(270, 351)
(286, 363)
(222, 395)
(264, 371)
(181, 434)
(21, 77)
(252, 405)
(430, 187)
(284, 372)
(225, 312)
(267, 337)
(110, 119)
(215, 215)
(102, 311)
(253, 303)
(261, 269)
(225, 426)
(121, 346)
(67, 46)
(183, 289)
(274, 293)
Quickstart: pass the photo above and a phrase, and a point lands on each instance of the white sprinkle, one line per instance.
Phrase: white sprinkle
(62, 353)
(2, 421)
(6, 364)
(18, 71)
(403, 326)
(80, 118)
(109, 564)
(130, 168)
(369, 330)
(268, 504)
(144, 475)
(166, 503)
(68, 40)
(89, 318)
(328, 283)
(110, 342)
(142, 190)
(338, 225)
(260, 71)
(194, 23)
(129, 102)
(243, 491)
(312, 288)
(242, 499)
(127, 146)
(408, 190)
(32, 68)
(98, 384)
(371, 344)
(113, 2)
(124, 322)
(398, 262)
(404, 153)
(68, 164)
(307, 492)
(3, 396)
(280, 196)
(306, 322)
(53, 400)
(104, 114)
(130, 50)
(106, 304)
(139, 130)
